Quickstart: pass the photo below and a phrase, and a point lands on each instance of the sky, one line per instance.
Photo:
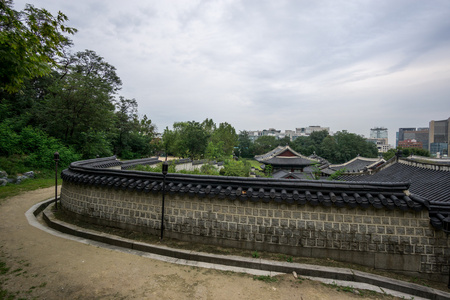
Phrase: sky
(347, 65)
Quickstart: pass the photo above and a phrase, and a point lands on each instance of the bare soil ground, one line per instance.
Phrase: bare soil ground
(37, 265)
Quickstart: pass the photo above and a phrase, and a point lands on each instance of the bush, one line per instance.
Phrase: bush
(235, 168)
(39, 149)
(9, 140)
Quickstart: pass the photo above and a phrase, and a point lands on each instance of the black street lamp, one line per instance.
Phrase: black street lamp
(165, 168)
(56, 159)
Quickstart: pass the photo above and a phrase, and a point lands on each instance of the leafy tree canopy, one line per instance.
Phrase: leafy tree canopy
(30, 42)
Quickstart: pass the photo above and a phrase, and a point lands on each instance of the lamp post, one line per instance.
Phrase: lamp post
(165, 168)
(56, 159)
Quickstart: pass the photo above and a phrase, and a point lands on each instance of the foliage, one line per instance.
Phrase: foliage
(315, 172)
(339, 148)
(191, 139)
(265, 144)
(335, 175)
(236, 168)
(95, 143)
(36, 147)
(133, 137)
(265, 278)
(9, 139)
(350, 145)
(225, 137)
(215, 150)
(389, 154)
(405, 152)
(268, 170)
(41, 149)
(208, 169)
(156, 168)
(245, 145)
(81, 98)
(30, 40)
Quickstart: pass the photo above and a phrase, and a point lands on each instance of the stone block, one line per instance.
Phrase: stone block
(400, 230)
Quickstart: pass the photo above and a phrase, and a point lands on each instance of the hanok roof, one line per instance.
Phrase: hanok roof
(284, 174)
(285, 156)
(431, 181)
(358, 164)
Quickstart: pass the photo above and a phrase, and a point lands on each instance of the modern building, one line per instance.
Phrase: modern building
(410, 143)
(401, 134)
(379, 133)
(292, 134)
(439, 138)
(420, 135)
(379, 136)
(310, 129)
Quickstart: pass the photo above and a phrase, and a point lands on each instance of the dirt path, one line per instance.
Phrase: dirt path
(44, 266)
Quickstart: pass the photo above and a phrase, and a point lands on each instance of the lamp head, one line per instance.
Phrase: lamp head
(165, 168)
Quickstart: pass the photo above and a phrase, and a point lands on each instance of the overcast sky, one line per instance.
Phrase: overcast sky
(347, 65)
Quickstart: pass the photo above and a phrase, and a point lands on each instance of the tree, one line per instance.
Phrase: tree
(215, 151)
(169, 140)
(225, 136)
(187, 139)
(133, 137)
(30, 41)
(328, 148)
(304, 145)
(209, 126)
(264, 144)
(126, 113)
(317, 137)
(82, 98)
(389, 154)
(350, 145)
(245, 145)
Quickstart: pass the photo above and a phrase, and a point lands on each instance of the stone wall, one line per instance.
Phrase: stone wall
(401, 241)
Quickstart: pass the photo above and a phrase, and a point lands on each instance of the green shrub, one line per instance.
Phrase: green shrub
(235, 168)
(9, 140)
(40, 149)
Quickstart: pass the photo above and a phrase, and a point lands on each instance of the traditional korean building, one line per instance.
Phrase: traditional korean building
(285, 158)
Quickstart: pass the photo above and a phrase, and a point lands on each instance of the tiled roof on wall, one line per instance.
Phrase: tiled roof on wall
(327, 193)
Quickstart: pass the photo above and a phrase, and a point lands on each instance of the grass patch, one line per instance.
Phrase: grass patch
(3, 268)
(255, 164)
(265, 278)
(11, 189)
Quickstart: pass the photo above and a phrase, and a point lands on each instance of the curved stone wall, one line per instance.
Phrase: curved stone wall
(378, 225)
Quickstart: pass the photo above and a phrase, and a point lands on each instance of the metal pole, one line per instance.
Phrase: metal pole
(56, 158)
(165, 168)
